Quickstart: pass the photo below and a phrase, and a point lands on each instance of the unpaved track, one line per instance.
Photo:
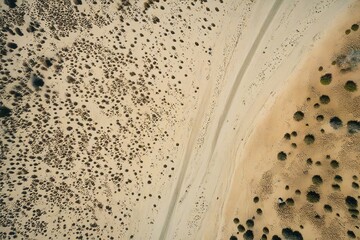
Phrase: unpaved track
(198, 120)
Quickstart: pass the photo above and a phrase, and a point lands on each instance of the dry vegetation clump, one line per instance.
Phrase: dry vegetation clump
(326, 79)
(336, 122)
(350, 86)
(309, 139)
(298, 116)
(281, 156)
(313, 197)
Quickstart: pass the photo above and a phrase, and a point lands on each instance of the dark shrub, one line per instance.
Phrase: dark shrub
(351, 234)
(327, 208)
(336, 187)
(313, 197)
(336, 123)
(316, 179)
(4, 111)
(334, 164)
(338, 178)
(248, 235)
(256, 199)
(353, 126)
(37, 82)
(290, 202)
(320, 118)
(241, 228)
(298, 116)
(309, 161)
(350, 86)
(250, 223)
(281, 156)
(236, 220)
(287, 136)
(324, 99)
(233, 238)
(309, 139)
(354, 27)
(276, 237)
(259, 211)
(265, 230)
(326, 79)
(351, 202)
(355, 185)
(263, 237)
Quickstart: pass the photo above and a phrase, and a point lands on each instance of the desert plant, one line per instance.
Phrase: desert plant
(355, 185)
(313, 197)
(287, 136)
(351, 234)
(336, 123)
(298, 116)
(248, 235)
(324, 99)
(327, 208)
(233, 237)
(4, 111)
(250, 223)
(309, 139)
(309, 161)
(241, 228)
(290, 202)
(326, 79)
(350, 86)
(236, 220)
(338, 178)
(281, 156)
(336, 187)
(351, 202)
(316, 179)
(320, 118)
(354, 27)
(353, 126)
(334, 164)
(259, 211)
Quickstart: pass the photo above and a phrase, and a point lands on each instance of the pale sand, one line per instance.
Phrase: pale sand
(258, 50)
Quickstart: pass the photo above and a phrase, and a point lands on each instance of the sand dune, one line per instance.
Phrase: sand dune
(179, 119)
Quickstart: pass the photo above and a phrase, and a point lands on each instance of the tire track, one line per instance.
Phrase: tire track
(229, 100)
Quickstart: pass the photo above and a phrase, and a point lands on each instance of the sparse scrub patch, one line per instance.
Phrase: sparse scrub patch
(336, 187)
(236, 220)
(250, 223)
(290, 202)
(350, 86)
(241, 228)
(354, 27)
(355, 185)
(336, 122)
(281, 156)
(4, 111)
(317, 180)
(353, 126)
(324, 99)
(351, 202)
(351, 234)
(338, 178)
(248, 235)
(313, 197)
(327, 208)
(309, 139)
(326, 79)
(334, 164)
(298, 116)
(320, 118)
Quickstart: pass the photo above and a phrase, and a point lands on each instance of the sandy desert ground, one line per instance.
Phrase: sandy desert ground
(179, 119)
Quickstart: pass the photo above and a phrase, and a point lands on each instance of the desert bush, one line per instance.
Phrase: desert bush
(353, 126)
(316, 105)
(266, 230)
(248, 235)
(290, 202)
(259, 211)
(233, 238)
(236, 220)
(351, 234)
(309, 139)
(294, 134)
(338, 178)
(250, 223)
(324, 99)
(263, 237)
(241, 228)
(4, 111)
(320, 118)
(336, 122)
(336, 186)
(281, 156)
(334, 164)
(287, 136)
(276, 237)
(351, 202)
(316, 179)
(298, 116)
(354, 27)
(326, 79)
(355, 185)
(327, 208)
(354, 212)
(313, 197)
(256, 199)
(350, 86)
